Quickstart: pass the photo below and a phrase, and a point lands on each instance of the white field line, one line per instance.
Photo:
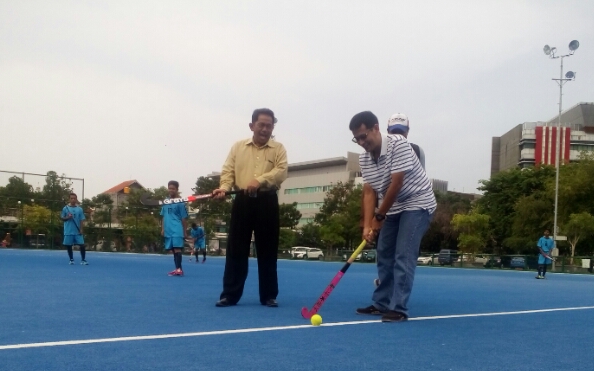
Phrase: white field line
(277, 328)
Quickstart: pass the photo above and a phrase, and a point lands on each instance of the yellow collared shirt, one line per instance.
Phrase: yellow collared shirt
(246, 161)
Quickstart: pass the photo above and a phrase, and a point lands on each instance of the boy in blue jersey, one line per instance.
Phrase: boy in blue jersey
(73, 217)
(197, 233)
(174, 227)
(545, 247)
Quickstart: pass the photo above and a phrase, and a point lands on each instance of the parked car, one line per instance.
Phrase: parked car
(305, 253)
(313, 253)
(492, 262)
(298, 252)
(481, 259)
(369, 255)
(425, 260)
(447, 256)
(348, 255)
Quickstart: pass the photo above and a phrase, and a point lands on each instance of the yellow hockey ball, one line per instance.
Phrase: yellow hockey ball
(316, 320)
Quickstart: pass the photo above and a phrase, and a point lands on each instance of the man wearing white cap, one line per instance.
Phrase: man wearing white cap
(399, 124)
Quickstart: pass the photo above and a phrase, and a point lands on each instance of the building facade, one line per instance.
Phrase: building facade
(307, 182)
(535, 143)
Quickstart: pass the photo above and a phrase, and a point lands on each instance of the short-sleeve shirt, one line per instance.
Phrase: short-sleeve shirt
(546, 244)
(72, 226)
(198, 234)
(173, 214)
(397, 156)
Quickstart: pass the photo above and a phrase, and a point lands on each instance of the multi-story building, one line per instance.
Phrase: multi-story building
(307, 182)
(534, 143)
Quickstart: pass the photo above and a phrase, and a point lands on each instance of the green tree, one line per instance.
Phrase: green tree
(286, 239)
(308, 235)
(578, 227)
(289, 215)
(36, 218)
(503, 191)
(340, 215)
(212, 213)
(441, 234)
(473, 228)
(56, 188)
(332, 232)
(142, 228)
(16, 190)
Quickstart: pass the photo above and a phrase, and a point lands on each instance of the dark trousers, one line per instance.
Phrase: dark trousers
(261, 215)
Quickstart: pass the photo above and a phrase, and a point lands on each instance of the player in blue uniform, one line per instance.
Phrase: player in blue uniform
(197, 233)
(174, 227)
(73, 217)
(545, 247)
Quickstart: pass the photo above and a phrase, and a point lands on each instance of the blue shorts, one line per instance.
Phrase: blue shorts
(199, 247)
(543, 260)
(73, 240)
(174, 243)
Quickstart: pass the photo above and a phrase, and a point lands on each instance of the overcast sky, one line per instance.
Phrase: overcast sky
(156, 90)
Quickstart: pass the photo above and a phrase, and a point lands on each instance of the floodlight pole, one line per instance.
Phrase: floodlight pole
(561, 81)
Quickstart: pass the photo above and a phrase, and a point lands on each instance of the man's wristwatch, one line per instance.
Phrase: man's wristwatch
(379, 217)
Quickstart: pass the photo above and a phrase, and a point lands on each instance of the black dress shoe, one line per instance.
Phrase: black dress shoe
(271, 303)
(393, 316)
(224, 302)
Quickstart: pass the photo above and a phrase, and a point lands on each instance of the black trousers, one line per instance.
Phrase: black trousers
(261, 215)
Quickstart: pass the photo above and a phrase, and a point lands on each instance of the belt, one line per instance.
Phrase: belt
(263, 192)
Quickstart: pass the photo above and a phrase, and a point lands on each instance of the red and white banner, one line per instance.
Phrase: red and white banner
(546, 145)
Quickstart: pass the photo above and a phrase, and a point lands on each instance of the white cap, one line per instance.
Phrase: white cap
(398, 122)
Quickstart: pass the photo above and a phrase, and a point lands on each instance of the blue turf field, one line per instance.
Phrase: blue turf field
(44, 300)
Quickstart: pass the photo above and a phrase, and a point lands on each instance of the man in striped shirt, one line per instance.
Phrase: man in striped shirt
(406, 205)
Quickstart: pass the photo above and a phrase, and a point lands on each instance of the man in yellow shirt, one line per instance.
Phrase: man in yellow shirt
(258, 166)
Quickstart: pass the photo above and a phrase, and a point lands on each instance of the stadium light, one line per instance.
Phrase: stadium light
(569, 76)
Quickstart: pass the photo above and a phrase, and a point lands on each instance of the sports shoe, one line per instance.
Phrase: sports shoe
(369, 310)
(538, 277)
(203, 260)
(180, 273)
(172, 273)
(393, 316)
(84, 262)
(71, 262)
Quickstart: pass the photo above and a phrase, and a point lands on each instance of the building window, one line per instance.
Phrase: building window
(309, 205)
(306, 221)
(316, 189)
(582, 147)
(528, 146)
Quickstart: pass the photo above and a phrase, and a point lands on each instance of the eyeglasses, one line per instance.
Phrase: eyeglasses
(361, 137)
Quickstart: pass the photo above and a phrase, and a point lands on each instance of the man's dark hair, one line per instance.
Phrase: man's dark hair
(546, 230)
(193, 225)
(173, 182)
(366, 118)
(72, 194)
(263, 111)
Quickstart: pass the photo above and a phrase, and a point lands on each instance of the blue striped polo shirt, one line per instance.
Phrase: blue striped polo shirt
(397, 156)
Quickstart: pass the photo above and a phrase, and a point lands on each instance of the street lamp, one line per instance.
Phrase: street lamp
(573, 46)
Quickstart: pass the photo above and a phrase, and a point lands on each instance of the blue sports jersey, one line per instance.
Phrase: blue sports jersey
(173, 214)
(198, 234)
(546, 244)
(72, 226)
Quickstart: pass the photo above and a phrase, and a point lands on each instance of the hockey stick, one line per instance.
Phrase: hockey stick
(548, 257)
(148, 202)
(309, 313)
(72, 219)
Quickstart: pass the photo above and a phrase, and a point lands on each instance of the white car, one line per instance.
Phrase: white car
(306, 253)
(424, 260)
